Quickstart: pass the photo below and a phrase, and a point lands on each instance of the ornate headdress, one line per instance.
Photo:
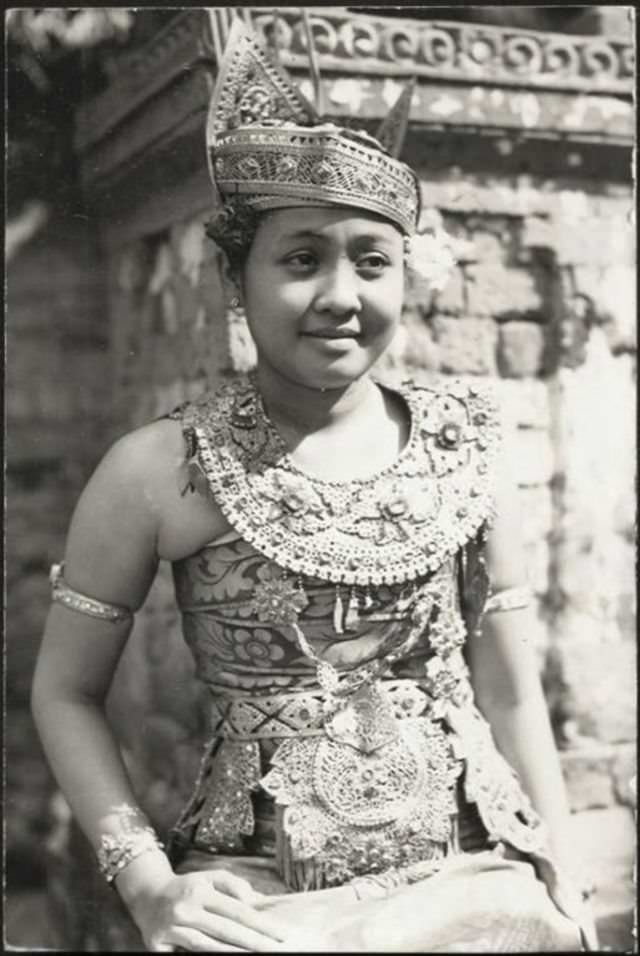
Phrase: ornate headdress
(268, 148)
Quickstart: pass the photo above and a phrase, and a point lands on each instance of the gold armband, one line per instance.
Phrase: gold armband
(61, 593)
(508, 600)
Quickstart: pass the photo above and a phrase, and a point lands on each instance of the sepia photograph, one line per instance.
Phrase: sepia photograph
(320, 479)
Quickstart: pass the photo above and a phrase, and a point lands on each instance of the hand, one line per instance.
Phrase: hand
(207, 911)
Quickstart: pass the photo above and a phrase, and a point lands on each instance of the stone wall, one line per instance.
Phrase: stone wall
(57, 411)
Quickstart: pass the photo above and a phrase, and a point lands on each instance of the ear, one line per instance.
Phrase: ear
(231, 281)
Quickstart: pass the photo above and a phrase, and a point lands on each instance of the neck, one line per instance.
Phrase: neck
(308, 409)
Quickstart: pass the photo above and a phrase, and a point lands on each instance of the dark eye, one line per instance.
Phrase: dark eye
(373, 263)
(301, 261)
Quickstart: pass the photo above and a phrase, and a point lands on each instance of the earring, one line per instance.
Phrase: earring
(234, 302)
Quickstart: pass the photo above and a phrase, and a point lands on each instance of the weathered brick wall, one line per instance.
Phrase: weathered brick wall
(542, 303)
(57, 408)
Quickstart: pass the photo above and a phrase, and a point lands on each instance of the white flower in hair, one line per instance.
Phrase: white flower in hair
(434, 253)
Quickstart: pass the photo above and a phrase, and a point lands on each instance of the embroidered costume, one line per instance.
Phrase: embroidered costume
(346, 742)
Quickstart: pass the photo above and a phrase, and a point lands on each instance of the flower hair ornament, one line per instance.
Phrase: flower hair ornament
(432, 254)
(268, 148)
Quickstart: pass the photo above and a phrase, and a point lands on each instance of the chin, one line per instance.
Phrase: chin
(337, 376)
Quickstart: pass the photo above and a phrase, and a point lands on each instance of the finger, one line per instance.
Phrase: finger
(229, 931)
(189, 940)
(235, 886)
(234, 910)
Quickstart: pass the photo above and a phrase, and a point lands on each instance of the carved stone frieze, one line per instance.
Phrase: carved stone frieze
(475, 53)
(471, 77)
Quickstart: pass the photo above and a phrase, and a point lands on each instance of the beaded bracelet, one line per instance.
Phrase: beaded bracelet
(117, 852)
(61, 593)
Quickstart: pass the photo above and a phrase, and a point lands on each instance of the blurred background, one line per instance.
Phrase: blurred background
(522, 129)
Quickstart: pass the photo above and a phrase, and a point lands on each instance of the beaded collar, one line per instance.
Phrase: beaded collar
(393, 527)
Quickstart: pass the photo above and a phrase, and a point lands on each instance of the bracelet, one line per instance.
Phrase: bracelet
(510, 599)
(117, 852)
(61, 593)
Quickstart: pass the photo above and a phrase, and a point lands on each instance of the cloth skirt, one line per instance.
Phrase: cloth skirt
(480, 902)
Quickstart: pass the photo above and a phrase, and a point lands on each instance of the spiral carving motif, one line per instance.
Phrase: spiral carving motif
(274, 30)
(463, 51)
(438, 48)
(600, 59)
(481, 50)
(360, 38)
(561, 58)
(523, 54)
(398, 43)
(324, 34)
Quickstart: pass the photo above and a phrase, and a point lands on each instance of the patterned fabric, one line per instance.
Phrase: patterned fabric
(296, 771)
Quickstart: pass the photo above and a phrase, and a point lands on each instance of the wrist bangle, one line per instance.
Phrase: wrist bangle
(117, 852)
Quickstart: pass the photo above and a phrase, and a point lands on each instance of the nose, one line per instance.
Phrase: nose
(338, 291)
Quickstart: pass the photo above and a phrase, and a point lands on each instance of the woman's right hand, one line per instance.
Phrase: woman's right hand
(207, 911)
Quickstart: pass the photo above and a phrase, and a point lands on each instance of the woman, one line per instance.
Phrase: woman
(331, 551)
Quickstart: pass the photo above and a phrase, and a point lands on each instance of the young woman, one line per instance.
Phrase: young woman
(332, 541)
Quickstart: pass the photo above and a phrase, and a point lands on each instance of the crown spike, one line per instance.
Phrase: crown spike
(252, 87)
(392, 131)
(314, 67)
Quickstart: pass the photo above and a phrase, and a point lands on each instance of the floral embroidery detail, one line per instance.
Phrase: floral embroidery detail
(293, 501)
(277, 600)
(257, 646)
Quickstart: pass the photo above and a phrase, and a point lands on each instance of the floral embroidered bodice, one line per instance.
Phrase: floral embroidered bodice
(330, 625)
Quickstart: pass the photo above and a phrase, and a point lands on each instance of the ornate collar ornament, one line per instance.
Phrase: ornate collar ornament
(392, 528)
(268, 148)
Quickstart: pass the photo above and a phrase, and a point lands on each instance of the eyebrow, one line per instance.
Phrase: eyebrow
(311, 234)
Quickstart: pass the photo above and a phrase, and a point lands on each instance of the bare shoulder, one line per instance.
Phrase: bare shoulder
(135, 470)
(132, 514)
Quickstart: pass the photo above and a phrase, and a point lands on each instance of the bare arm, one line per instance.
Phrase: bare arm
(506, 682)
(112, 555)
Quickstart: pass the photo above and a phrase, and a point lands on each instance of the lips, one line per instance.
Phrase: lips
(332, 333)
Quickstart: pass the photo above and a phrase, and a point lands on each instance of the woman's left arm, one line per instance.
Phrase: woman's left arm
(504, 670)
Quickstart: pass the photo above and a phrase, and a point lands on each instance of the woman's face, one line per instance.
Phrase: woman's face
(322, 290)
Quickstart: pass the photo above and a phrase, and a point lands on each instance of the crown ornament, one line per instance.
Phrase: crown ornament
(268, 148)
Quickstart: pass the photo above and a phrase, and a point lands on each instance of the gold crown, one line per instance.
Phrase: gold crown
(267, 147)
